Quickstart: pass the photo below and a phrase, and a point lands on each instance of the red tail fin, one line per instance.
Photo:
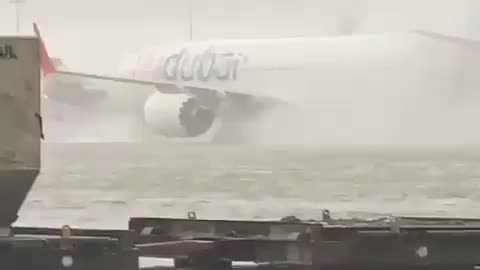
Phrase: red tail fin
(47, 65)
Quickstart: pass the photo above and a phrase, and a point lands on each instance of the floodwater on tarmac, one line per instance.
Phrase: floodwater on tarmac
(102, 185)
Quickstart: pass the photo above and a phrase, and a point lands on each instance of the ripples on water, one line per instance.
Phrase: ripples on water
(104, 184)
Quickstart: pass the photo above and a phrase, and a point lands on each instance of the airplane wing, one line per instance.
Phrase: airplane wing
(448, 38)
(164, 86)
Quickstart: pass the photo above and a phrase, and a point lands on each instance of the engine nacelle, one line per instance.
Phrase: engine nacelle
(177, 115)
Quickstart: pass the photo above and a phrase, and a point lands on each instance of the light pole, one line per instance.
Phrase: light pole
(190, 19)
(17, 4)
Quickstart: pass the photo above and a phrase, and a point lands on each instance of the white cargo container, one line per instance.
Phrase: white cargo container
(20, 123)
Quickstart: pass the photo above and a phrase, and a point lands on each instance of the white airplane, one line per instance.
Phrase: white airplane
(191, 85)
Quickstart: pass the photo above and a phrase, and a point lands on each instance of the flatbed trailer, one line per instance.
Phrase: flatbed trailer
(167, 243)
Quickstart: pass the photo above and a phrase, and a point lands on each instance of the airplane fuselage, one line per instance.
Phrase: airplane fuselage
(289, 68)
(372, 73)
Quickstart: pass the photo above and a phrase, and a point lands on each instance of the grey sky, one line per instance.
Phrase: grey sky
(93, 35)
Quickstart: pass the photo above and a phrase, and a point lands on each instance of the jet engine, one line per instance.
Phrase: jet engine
(177, 115)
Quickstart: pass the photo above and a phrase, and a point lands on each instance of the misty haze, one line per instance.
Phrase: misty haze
(232, 108)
